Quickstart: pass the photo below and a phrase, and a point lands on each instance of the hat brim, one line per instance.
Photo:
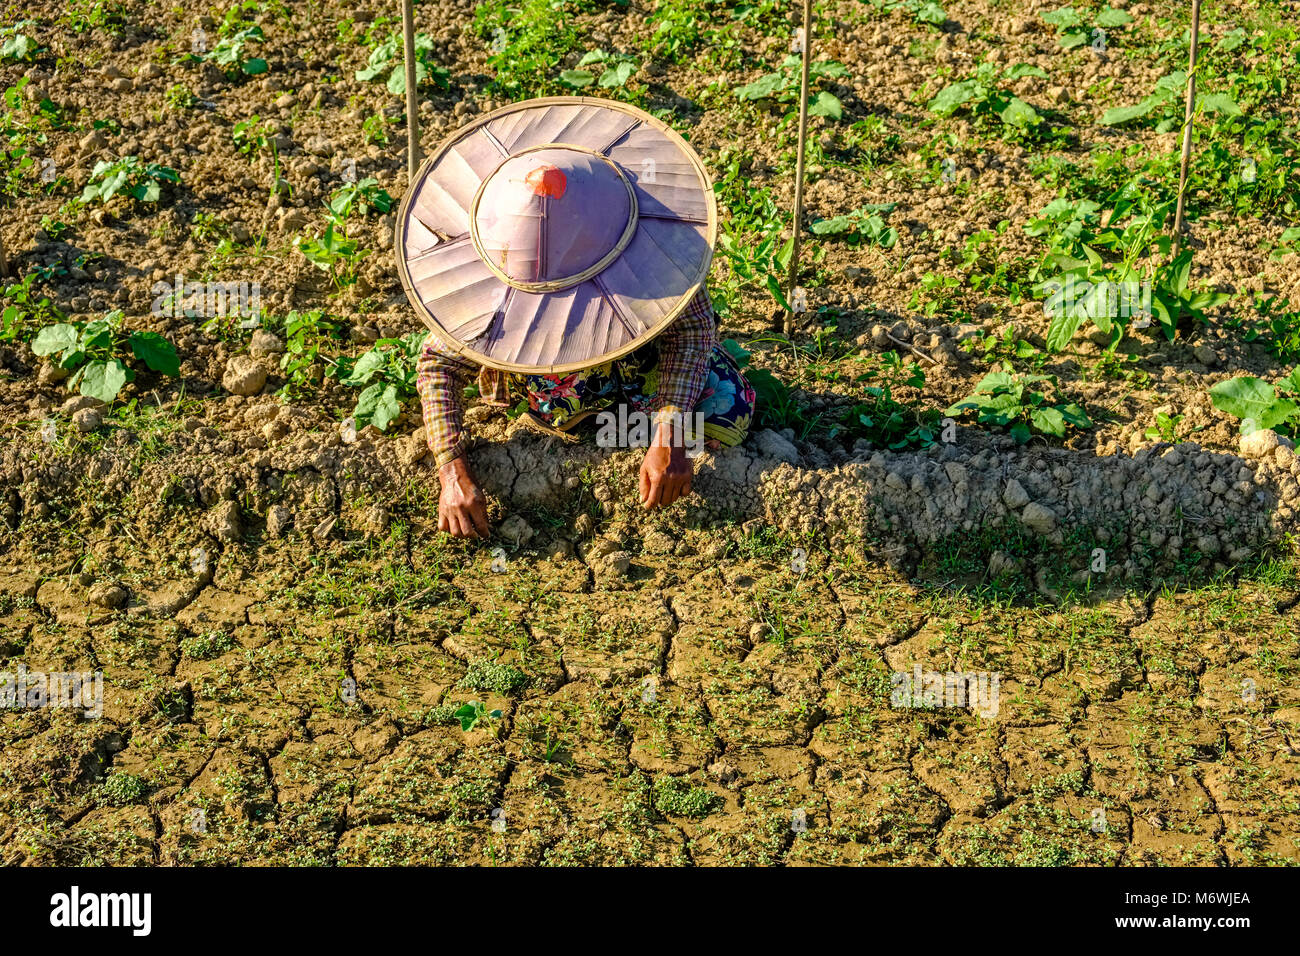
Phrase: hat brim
(480, 317)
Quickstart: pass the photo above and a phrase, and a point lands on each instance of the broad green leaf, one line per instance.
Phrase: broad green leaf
(1018, 70)
(366, 367)
(1019, 113)
(932, 13)
(1076, 416)
(386, 409)
(1231, 40)
(1048, 420)
(953, 96)
(1220, 103)
(156, 352)
(1124, 114)
(618, 75)
(1062, 17)
(577, 78)
(104, 379)
(55, 338)
(1111, 18)
(774, 287)
(1244, 397)
(763, 87)
(1063, 327)
(826, 104)
(832, 227)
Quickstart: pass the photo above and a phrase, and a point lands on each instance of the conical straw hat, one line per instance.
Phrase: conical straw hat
(555, 234)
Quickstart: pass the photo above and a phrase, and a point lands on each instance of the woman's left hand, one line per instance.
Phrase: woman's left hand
(666, 472)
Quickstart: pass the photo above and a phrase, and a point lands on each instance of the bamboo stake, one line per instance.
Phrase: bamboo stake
(1187, 125)
(799, 163)
(4, 262)
(412, 106)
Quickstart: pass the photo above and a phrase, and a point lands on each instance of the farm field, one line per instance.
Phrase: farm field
(1006, 573)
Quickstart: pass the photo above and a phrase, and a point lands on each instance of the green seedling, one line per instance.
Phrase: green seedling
(98, 352)
(471, 714)
(982, 97)
(862, 226)
(385, 64)
(1260, 405)
(1072, 30)
(782, 87)
(386, 375)
(1165, 105)
(617, 70)
(231, 53)
(127, 175)
(1005, 399)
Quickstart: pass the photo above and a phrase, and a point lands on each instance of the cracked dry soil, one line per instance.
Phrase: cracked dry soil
(293, 704)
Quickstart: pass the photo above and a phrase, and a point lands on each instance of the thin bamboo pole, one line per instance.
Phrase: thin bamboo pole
(799, 164)
(1188, 112)
(4, 262)
(412, 105)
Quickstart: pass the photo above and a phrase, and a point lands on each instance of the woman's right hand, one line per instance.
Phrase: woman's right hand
(462, 509)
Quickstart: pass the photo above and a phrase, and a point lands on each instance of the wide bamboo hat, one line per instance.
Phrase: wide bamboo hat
(555, 234)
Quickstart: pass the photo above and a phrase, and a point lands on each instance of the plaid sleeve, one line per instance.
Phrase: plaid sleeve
(684, 352)
(441, 378)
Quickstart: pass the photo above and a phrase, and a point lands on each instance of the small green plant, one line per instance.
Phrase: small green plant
(864, 225)
(1005, 399)
(97, 352)
(232, 53)
(253, 135)
(1278, 327)
(1165, 105)
(334, 251)
(302, 363)
(107, 15)
(772, 396)
(617, 69)
(1073, 31)
(982, 97)
(935, 294)
(25, 307)
(375, 129)
(16, 45)
(127, 175)
(209, 644)
(493, 676)
(364, 197)
(882, 419)
(1260, 405)
(180, 97)
(385, 64)
(1165, 429)
(471, 714)
(1007, 346)
(121, 790)
(782, 87)
(677, 798)
(386, 375)
(923, 11)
